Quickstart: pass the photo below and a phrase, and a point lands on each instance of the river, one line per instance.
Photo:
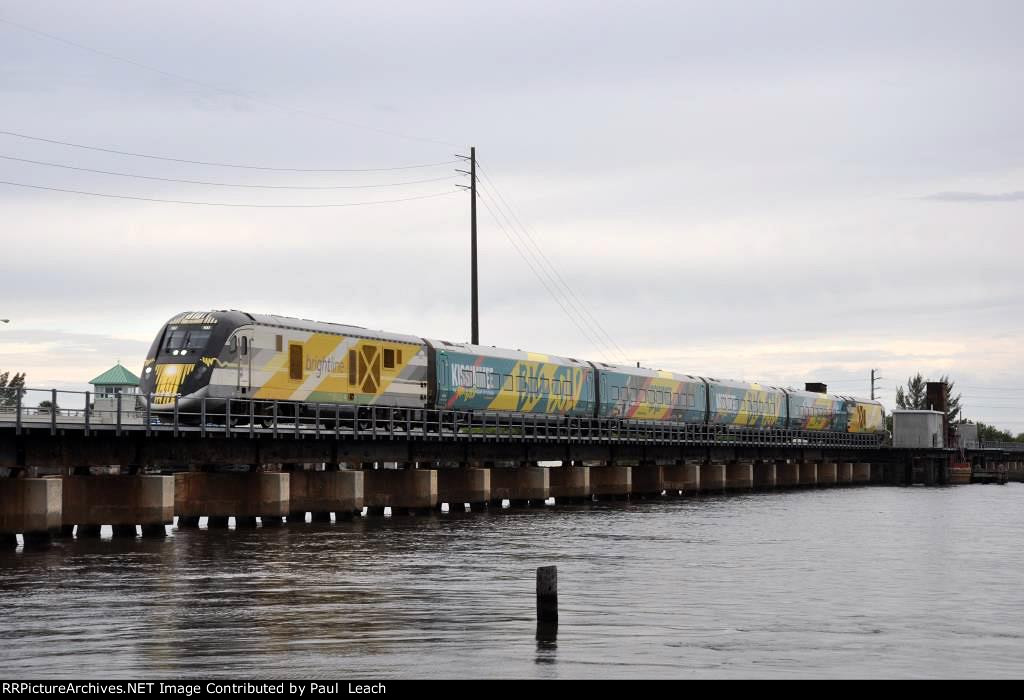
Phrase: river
(845, 582)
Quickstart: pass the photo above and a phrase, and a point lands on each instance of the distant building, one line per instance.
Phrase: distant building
(913, 428)
(116, 380)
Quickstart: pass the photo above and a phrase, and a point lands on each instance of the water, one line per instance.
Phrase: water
(865, 582)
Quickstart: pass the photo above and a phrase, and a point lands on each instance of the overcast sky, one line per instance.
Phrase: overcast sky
(773, 191)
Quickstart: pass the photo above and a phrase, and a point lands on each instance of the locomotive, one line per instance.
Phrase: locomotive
(229, 355)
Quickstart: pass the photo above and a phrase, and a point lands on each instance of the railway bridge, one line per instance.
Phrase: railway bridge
(117, 462)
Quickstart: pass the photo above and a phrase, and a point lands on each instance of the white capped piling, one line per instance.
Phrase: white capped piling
(547, 594)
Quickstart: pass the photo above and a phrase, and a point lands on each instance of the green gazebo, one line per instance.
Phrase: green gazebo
(116, 380)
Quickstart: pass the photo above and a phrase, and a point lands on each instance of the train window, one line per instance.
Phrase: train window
(523, 386)
(351, 365)
(556, 387)
(398, 357)
(233, 345)
(175, 339)
(245, 345)
(492, 381)
(535, 385)
(466, 378)
(295, 362)
(389, 358)
(544, 386)
(567, 388)
(279, 345)
(481, 380)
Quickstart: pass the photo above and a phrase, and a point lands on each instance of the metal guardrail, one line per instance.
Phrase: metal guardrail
(135, 414)
(992, 445)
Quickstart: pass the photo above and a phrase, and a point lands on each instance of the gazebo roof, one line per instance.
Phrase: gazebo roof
(116, 376)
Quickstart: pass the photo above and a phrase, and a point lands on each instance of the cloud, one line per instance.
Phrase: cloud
(977, 197)
(734, 188)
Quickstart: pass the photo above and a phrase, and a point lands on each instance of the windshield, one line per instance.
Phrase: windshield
(181, 339)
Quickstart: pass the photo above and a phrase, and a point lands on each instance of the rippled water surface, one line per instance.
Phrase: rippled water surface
(894, 582)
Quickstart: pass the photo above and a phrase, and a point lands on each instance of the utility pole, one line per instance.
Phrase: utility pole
(875, 376)
(474, 301)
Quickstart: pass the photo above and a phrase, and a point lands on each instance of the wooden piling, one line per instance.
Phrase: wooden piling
(547, 594)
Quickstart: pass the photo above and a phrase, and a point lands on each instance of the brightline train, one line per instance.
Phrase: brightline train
(225, 355)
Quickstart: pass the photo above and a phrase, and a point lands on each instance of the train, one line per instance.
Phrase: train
(222, 356)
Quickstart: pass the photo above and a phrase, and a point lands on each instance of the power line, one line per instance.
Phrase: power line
(227, 184)
(546, 279)
(217, 88)
(557, 278)
(227, 204)
(225, 165)
(582, 308)
(519, 248)
(543, 282)
(992, 388)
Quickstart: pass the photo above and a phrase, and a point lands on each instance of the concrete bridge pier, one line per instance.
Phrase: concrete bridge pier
(739, 476)
(712, 477)
(87, 532)
(121, 501)
(462, 485)
(877, 473)
(570, 483)
(611, 482)
(765, 474)
(787, 474)
(322, 493)
(828, 473)
(411, 490)
(861, 473)
(898, 473)
(681, 478)
(845, 473)
(220, 496)
(31, 507)
(647, 479)
(522, 486)
(808, 474)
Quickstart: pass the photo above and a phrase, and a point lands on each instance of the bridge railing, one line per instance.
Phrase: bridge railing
(58, 410)
(993, 445)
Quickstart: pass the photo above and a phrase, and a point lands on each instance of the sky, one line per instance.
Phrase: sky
(780, 192)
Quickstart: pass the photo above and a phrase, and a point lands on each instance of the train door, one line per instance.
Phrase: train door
(368, 364)
(442, 380)
(245, 353)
